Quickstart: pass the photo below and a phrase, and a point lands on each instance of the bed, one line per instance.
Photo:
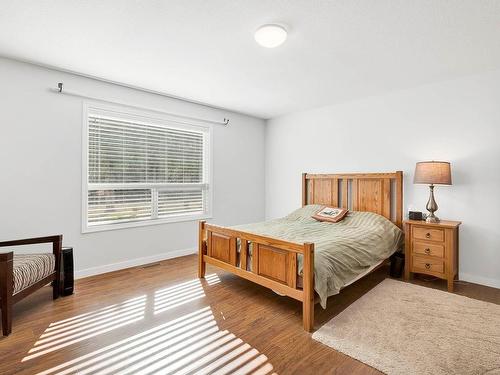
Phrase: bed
(300, 257)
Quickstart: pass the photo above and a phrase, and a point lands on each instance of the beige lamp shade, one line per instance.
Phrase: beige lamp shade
(433, 172)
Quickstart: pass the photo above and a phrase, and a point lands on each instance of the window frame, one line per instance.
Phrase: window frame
(156, 118)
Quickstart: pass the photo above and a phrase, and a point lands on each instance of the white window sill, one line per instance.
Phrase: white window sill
(144, 223)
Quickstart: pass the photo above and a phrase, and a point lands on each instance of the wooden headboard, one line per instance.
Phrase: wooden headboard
(381, 193)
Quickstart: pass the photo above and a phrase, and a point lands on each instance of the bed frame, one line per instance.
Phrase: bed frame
(274, 261)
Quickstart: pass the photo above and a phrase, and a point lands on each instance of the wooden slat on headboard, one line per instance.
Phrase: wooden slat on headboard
(381, 193)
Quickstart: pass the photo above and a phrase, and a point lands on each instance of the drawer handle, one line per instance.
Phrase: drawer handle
(427, 266)
(427, 251)
(427, 235)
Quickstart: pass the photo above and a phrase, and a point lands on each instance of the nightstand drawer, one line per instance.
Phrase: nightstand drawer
(427, 248)
(421, 233)
(424, 264)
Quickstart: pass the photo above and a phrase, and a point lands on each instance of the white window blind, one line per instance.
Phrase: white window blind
(140, 171)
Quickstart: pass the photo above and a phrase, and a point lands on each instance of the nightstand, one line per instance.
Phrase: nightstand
(432, 249)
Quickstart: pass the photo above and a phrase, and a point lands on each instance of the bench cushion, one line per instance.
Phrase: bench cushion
(30, 268)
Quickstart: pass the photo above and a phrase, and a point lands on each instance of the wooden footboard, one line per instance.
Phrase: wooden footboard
(273, 262)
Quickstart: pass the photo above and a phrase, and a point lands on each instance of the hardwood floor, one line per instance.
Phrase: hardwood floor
(162, 319)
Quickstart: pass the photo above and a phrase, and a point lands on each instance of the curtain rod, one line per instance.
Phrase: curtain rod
(60, 90)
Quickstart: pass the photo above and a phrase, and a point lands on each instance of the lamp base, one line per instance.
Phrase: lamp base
(431, 207)
(432, 219)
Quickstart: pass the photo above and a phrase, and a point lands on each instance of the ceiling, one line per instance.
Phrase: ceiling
(337, 50)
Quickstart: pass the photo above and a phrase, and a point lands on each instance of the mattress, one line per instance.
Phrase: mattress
(343, 252)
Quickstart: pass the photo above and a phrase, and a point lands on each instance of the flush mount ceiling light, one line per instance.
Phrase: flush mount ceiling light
(270, 36)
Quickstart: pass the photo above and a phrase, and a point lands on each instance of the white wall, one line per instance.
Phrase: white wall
(41, 174)
(458, 121)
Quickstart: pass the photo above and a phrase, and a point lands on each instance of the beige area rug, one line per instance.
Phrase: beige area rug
(400, 328)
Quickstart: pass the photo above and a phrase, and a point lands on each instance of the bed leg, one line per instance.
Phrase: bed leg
(201, 250)
(308, 287)
(308, 315)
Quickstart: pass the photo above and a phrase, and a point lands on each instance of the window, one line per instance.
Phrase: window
(141, 170)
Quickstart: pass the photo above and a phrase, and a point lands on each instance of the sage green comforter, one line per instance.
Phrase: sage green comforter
(342, 251)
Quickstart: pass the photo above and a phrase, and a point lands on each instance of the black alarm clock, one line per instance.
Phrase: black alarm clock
(415, 215)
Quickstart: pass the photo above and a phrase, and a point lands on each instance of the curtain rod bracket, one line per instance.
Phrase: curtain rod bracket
(60, 86)
(226, 121)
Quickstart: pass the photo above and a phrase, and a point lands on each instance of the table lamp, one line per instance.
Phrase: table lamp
(432, 173)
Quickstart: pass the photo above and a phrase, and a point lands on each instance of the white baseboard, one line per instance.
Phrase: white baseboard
(132, 263)
(495, 283)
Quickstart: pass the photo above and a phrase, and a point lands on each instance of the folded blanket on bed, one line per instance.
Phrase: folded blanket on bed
(342, 250)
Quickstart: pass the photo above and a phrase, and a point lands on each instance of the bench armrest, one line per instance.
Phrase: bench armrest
(31, 241)
(5, 257)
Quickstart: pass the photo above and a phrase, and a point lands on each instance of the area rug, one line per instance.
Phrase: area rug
(401, 328)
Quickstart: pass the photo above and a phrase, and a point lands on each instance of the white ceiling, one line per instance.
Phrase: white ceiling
(337, 50)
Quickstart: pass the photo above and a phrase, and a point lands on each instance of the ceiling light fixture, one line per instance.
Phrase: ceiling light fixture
(270, 35)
